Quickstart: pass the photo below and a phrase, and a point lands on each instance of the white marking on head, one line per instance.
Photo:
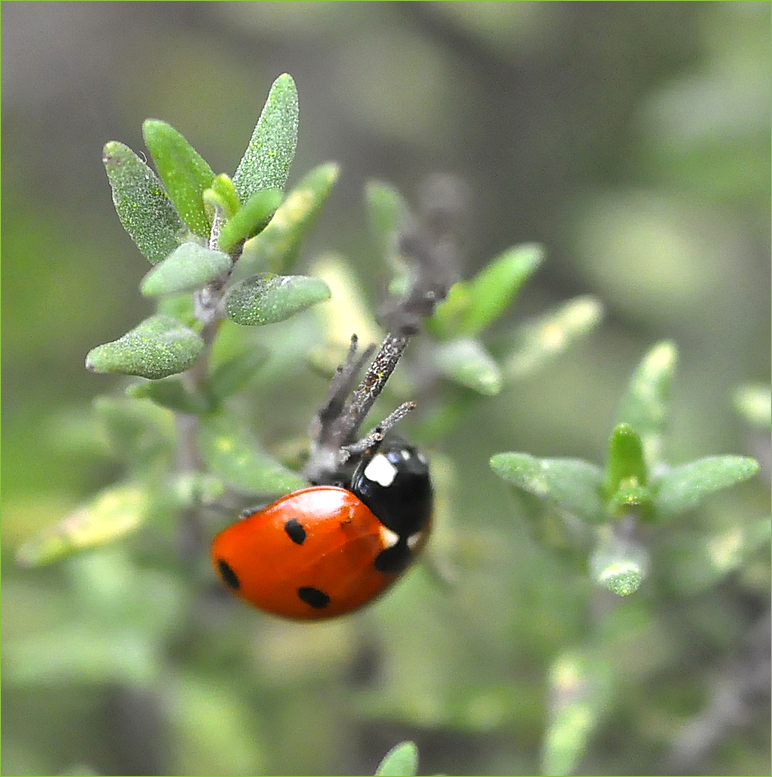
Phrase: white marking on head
(388, 537)
(422, 458)
(405, 455)
(381, 471)
(414, 539)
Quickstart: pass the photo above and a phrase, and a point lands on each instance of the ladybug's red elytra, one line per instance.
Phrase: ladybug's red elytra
(326, 550)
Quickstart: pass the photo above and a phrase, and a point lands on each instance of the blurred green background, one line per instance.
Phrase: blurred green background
(631, 139)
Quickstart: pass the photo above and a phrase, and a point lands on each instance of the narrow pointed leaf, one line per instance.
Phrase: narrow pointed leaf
(171, 393)
(268, 298)
(233, 455)
(250, 219)
(400, 761)
(142, 203)
(184, 172)
(625, 465)
(112, 514)
(160, 346)
(542, 338)
(267, 160)
(224, 193)
(645, 405)
(188, 268)
(684, 487)
(466, 362)
(278, 245)
(572, 484)
(494, 288)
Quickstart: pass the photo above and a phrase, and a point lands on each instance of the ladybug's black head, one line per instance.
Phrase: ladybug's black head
(393, 481)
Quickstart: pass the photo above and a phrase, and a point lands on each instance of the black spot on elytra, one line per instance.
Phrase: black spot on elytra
(295, 531)
(313, 596)
(228, 575)
(394, 559)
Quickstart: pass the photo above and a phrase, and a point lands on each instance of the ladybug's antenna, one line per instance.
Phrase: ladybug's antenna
(430, 244)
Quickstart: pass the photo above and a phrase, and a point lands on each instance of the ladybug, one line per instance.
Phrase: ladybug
(326, 550)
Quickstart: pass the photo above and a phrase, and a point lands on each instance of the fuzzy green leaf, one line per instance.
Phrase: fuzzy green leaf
(158, 347)
(400, 761)
(494, 288)
(112, 514)
(625, 465)
(619, 562)
(222, 195)
(278, 245)
(267, 160)
(233, 455)
(645, 403)
(189, 267)
(251, 218)
(184, 172)
(385, 210)
(542, 338)
(268, 298)
(142, 204)
(683, 488)
(232, 375)
(466, 362)
(572, 484)
(171, 393)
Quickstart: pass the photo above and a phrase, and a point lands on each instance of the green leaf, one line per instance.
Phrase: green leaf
(142, 203)
(542, 338)
(222, 195)
(232, 375)
(754, 404)
(113, 513)
(184, 173)
(266, 161)
(385, 210)
(189, 267)
(572, 484)
(158, 347)
(278, 245)
(233, 455)
(466, 362)
(494, 288)
(400, 761)
(171, 393)
(619, 562)
(580, 695)
(268, 298)
(250, 219)
(683, 488)
(645, 403)
(625, 465)
(445, 323)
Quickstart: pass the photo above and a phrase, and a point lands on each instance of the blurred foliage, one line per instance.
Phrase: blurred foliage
(632, 142)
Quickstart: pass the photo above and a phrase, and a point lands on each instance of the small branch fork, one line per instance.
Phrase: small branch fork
(430, 245)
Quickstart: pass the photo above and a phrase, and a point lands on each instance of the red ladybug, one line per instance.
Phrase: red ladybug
(324, 551)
